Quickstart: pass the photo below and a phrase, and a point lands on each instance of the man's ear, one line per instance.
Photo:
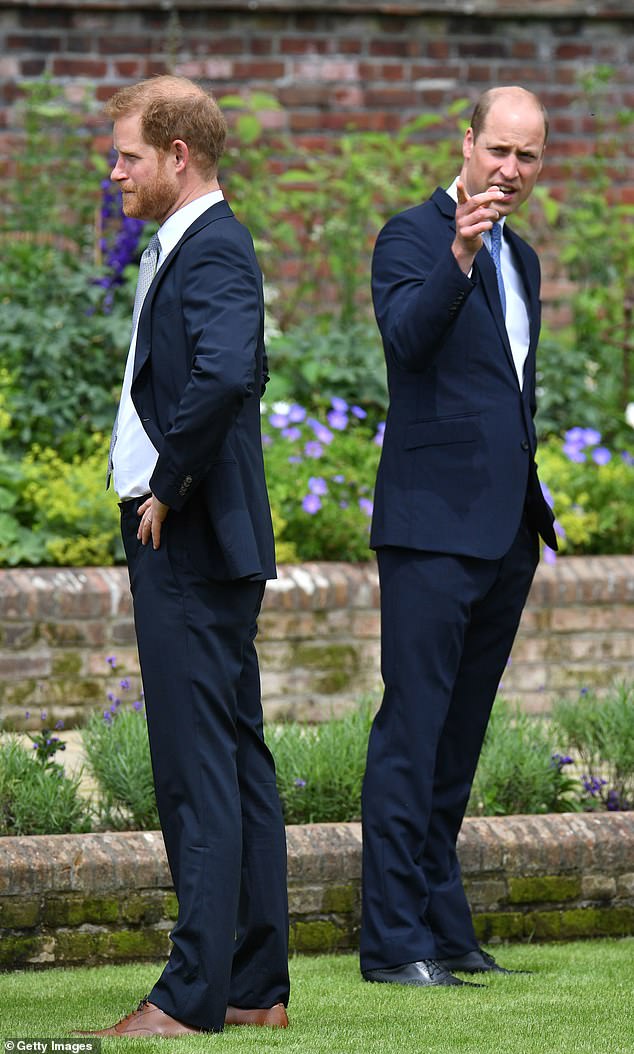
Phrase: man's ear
(180, 154)
(467, 144)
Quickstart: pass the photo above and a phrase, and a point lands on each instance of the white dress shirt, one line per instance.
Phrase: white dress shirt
(516, 317)
(134, 456)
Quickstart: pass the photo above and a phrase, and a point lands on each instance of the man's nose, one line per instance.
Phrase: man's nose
(509, 167)
(117, 171)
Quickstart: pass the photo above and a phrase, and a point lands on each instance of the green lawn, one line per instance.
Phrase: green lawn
(579, 999)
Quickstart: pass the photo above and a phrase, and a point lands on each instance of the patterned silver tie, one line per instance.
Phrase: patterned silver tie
(496, 246)
(147, 270)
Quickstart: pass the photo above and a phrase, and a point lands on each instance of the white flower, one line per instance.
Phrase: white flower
(629, 414)
(281, 408)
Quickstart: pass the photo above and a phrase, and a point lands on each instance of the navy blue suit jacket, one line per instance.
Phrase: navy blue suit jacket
(199, 371)
(457, 464)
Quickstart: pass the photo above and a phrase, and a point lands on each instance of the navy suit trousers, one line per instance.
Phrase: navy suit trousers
(214, 778)
(448, 624)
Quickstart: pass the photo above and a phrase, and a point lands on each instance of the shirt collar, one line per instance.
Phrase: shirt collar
(171, 232)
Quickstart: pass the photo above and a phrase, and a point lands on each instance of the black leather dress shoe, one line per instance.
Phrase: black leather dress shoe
(477, 961)
(425, 973)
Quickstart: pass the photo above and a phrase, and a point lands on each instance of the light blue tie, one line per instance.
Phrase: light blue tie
(147, 270)
(496, 246)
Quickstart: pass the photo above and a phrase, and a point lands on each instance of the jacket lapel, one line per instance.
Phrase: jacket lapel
(220, 210)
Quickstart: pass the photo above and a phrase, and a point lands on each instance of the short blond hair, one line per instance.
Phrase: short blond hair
(175, 108)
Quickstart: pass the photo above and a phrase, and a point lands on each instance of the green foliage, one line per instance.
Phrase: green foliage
(594, 502)
(320, 480)
(62, 353)
(320, 360)
(587, 369)
(118, 757)
(320, 767)
(601, 732)
(517, 771)
(315, 223)
(54, 511)
(37, 798)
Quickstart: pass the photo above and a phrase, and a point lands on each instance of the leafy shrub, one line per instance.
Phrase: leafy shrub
(37, 798)
(118, 757)
(518, 771)
(320, 472)
(320, 767)
(601, 732)
(54, 511)
(592, 490)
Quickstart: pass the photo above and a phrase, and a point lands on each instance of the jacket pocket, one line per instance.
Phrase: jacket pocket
(442, 431)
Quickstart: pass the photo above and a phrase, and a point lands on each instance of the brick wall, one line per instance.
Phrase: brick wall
(335, 64)
(318, 643)
(70, 899)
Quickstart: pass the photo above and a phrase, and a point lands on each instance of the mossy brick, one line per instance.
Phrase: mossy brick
(508, 925)
(74, 909)
(544, 889)
(19, 913)
(120, 945)
(339, 899)
(543, 925)
(335, 665)
(142, 907)
(318, 935)
(75, 946)
(18, 949)
(597, 922)
(170, 906)
(66, 663)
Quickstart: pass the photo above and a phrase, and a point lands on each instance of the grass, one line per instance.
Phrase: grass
(578, 999)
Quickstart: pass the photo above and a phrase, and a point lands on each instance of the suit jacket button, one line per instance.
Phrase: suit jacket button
(524, 444)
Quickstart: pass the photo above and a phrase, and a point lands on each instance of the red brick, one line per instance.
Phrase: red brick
(32, 67)
(573, 51)
(124, 45)
(396, 48)
(66, 67)
(258, 70)
(39, 42)
(303, 45)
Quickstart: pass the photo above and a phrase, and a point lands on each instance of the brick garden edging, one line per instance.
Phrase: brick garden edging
(318, 640)
(96, 898)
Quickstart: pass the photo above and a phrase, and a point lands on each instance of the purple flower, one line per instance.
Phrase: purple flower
(591, 437)
(550, 556)
(278, 420)
(313, 449)
(138, 705)
(107, 716)
(575, 436)
(296, 414)
(267, 441)
(125, 684)
(339, 479)
(59, 725)
(344, 504)
(584, 691)
(627, 457)
(311, 504)
(27, 714)
(559, 530)
(573, 452)
(291, 433)
(337, 420)
(358, 412)
(366, 506)
(601, 455)
(317, 485)
(323, 434)
(294, 460)
(300, 782)
(340, 405)
(378, 439)
(43, 715)
(112, 661)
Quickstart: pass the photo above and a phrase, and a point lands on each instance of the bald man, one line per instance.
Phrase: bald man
(457, 513)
